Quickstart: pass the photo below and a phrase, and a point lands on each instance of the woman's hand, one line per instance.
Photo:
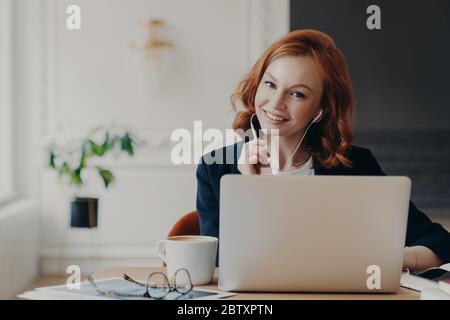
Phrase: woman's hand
(409, 259)
(254, 158)
(420, 258)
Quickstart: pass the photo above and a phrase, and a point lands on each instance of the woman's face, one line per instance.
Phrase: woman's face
(289, 94)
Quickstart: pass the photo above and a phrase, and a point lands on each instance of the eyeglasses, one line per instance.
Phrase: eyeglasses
(157, 286)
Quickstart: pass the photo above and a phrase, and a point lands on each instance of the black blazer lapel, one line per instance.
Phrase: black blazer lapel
(319, 170)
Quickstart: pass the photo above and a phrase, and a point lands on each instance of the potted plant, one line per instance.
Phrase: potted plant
(72, 160)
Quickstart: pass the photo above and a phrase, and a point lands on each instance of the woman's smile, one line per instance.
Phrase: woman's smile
(274, 118)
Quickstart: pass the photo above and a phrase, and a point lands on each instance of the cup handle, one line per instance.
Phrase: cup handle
(161, 250)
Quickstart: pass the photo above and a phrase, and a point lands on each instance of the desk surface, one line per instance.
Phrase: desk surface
(141, 273)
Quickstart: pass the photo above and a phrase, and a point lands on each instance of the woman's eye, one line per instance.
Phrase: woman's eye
(270, 84)
(298, 94)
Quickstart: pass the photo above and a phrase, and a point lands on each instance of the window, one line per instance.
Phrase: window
(6, 103)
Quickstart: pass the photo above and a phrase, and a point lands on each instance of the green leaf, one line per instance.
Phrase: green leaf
(127, 144)
(75, 178)
(83, 161)
(106, 144)
(65, 169)
(106, 175)
(96, 149)
(52, 160)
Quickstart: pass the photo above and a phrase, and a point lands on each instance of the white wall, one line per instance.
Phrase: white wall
(6, 116)
(19, 217)
(93, 76)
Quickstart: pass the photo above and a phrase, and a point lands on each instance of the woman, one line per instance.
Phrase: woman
(300, 87)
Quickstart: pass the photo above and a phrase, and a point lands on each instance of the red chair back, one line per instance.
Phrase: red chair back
(187, 225)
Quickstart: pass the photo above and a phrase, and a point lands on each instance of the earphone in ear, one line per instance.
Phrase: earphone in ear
(317, 118)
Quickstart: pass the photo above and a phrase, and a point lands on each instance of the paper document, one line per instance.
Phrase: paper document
(86, 291)
(426, 280)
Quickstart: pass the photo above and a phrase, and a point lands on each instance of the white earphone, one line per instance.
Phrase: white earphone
(315, 120)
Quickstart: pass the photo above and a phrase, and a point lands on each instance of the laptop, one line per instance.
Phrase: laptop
(312, 233)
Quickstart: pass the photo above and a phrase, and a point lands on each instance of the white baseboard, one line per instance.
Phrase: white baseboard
(58, 266)
(91, 258)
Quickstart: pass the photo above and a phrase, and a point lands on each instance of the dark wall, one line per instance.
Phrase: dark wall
(401, 78)
(401, 73)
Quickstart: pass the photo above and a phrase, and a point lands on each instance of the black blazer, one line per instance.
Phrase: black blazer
(420, 229)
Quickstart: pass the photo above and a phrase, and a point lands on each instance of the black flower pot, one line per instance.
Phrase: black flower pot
(84, 213)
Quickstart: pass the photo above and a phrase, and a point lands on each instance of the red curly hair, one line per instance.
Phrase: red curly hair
(329, 139)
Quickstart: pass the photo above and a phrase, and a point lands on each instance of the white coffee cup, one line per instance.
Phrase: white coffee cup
(197, 254)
